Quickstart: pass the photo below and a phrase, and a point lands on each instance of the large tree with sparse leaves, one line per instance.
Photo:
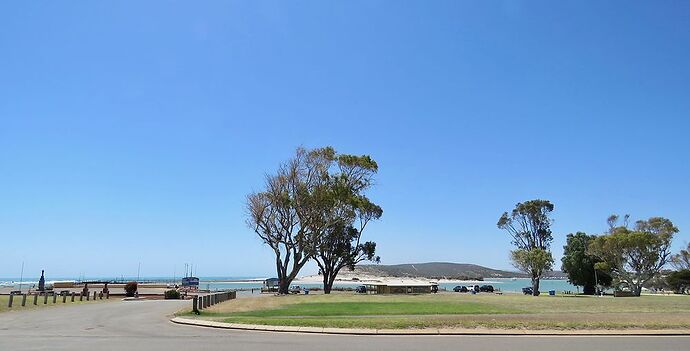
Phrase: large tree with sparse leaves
(315, 207)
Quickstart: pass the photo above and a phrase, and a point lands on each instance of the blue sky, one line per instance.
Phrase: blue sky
(132, 131)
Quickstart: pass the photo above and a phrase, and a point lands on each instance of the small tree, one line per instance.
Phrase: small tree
(681, 260)
(579, 264)
(529, 224)
(131, 289)
(635, 256)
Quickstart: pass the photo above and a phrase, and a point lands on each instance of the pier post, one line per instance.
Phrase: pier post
(23, 300)
(45, 298)
(88, 296)
(64, 297)
(35, 299)
(94, 296)
(72, 296)
(100, 295)
(9, 302)
(54, 297)
(195, 305)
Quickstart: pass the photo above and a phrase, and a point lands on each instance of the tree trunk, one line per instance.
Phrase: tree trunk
(535, 286)
(326, 280)
(637, 290)
(589, 289)
(284, 286)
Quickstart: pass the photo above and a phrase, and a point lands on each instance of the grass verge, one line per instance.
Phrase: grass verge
(456, 311)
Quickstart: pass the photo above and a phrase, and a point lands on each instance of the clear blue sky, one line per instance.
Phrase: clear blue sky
(131, 131)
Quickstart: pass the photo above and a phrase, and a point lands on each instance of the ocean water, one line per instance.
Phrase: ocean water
(242, 283)
(506, 285)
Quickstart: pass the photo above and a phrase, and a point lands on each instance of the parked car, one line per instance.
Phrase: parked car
(527, 290)
(486, 288)
(361, 289)
(476, 288)
(295, 289)
(461, 288)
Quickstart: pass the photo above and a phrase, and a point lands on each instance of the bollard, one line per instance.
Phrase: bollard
(64, 297)
(87, 296)
(45, 298)
(200, 305)
(72, 296)
(35, 299)
(100, 295)
(195, 304)
(94, 296)
(81, 297)
(23, 300)
(207, 299)
(107, 295)
(54, 297)
(9, 302)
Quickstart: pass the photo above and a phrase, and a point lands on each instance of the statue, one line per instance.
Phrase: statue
(42, 282)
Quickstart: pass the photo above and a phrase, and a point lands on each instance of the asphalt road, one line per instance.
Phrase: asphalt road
(145, 325)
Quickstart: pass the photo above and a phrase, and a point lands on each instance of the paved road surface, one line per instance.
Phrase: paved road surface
(144, 325)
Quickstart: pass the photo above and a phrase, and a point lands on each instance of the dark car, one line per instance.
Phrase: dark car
(486, 288)
(527, 291)
(460, 288)
(361, 289)
(476, 288)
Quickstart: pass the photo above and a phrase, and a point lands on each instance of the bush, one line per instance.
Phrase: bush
(130, 289)
(172, 295)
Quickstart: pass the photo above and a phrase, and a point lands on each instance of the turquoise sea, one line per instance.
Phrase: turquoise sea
(247, 284)
(506, 285)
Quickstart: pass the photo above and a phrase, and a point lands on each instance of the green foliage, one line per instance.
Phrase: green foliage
(130, 289)
(314, 207)
(529, 224)
(580, 265)
(346, 211)
(533, 261)
(172, 294)
(635, 256)
(679, 281)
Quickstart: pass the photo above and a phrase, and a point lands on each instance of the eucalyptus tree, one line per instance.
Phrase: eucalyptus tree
(350, 211)
(634, 256)
(681, 260)
(315, 207)
(529, 225)
(286, 214)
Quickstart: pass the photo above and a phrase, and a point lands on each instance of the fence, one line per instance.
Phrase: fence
(205, 301)
(53, 297)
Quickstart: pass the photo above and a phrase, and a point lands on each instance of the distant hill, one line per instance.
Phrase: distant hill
(438, 270)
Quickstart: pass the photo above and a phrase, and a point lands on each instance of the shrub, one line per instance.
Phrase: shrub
(130, 289)
(172, 295)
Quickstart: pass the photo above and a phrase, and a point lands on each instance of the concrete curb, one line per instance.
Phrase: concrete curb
(430, 331)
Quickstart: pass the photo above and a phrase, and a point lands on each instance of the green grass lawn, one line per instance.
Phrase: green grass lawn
(449, 310)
